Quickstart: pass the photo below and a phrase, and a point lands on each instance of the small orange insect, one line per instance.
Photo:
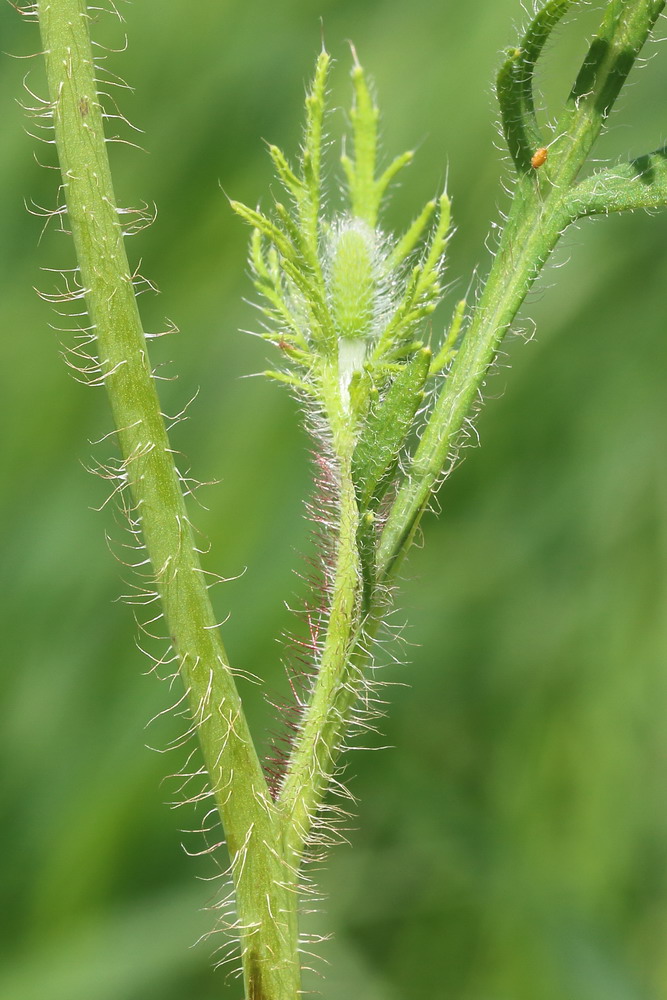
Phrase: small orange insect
(539, 157)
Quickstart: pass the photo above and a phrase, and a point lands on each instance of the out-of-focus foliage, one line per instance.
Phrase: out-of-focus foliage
(513, 844)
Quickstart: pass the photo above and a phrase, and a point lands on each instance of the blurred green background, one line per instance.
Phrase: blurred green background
(513, 844)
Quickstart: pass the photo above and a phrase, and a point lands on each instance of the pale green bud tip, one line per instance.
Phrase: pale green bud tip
(353, 280)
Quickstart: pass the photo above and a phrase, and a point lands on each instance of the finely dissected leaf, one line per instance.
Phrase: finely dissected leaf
(365, 190)
(377, 455)
(514, 85)
(423, 290)
(639, 183)
(272, 232)
(387, 428)
(447, 351)
(295, 185)
(311, 160)
(407, 243)
(360, 171)
(337, 290)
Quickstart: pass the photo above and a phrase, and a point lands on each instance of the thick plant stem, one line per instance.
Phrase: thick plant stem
(266, 900)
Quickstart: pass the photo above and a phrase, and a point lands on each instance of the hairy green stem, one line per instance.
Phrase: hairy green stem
(266, 900)
(545, 202)
(267, 839)
(316, 751)
(314, 756)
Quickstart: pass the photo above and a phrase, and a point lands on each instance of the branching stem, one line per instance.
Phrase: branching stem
(546, 201)
(361, 364)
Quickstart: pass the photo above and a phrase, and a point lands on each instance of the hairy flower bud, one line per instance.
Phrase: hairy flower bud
(354, 270)
(353, 279)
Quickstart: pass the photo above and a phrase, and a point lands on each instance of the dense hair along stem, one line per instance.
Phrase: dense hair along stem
(264, 896)
(387, 402)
